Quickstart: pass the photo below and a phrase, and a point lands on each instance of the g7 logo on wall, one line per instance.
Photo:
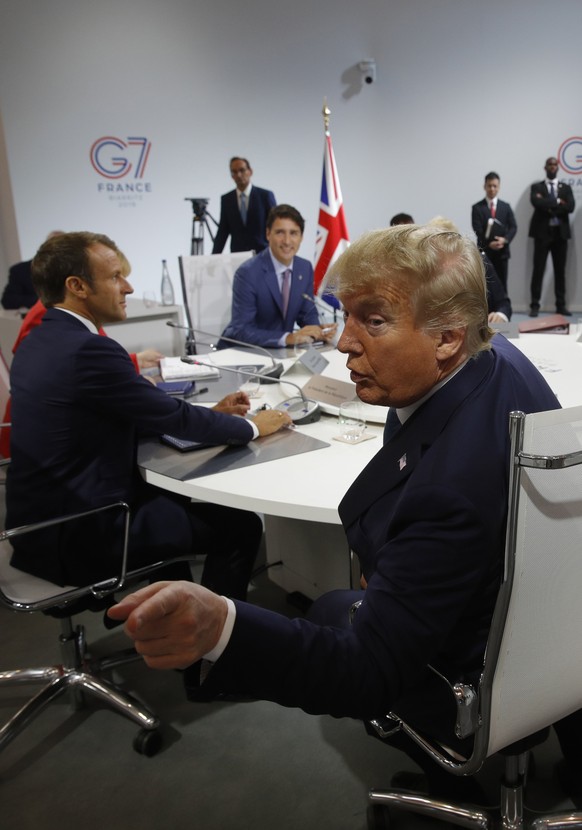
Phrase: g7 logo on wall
(570, 155)
(114, 158)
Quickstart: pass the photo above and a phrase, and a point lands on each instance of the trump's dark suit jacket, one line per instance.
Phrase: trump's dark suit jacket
(250, 236)
(505, 226)
(545, 208)
(257, 312)
(78, 408)
(427, 518)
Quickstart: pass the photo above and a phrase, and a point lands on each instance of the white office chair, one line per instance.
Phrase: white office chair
(532, 674)
(207, 288)
(80, 676)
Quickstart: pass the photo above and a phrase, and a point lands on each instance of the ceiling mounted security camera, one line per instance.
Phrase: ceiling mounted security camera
(368, 70)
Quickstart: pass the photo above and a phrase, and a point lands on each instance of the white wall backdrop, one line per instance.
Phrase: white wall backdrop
(462, 87)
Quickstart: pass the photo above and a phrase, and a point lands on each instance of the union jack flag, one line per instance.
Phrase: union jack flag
(332, 232)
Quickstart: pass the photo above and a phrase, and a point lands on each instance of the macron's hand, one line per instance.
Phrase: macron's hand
(172, 624)
(237, 403)
(268, 421)
(149, 358)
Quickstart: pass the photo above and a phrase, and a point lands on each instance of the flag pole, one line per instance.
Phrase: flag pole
(332, 234)
(326, 112)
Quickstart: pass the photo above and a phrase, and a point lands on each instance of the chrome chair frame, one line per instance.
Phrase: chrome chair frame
(78, 674)
(474, 704)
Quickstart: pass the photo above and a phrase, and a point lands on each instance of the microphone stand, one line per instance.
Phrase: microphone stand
(321, 305)
(300, 409)
(274, 371)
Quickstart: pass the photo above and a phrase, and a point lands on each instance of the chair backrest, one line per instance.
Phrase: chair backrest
(532, 673)
(207, 288)
(4, 384)
(533, 667)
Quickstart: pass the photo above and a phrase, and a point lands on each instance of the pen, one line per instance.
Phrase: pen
(196, 392)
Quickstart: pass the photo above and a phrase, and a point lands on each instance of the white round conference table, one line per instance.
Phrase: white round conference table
(298, 493)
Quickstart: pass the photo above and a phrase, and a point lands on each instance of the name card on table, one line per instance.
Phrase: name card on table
(329, 390)
(313, 360)
(510, 330)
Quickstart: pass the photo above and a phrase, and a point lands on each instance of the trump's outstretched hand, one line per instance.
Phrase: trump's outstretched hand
(172, 624)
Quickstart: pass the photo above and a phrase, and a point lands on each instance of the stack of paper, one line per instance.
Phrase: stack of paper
(173, 368)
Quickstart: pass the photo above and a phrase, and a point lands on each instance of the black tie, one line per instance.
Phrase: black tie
(392, 425)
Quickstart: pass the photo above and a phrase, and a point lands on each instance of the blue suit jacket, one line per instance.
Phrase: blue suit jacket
(250, 236)
(257, 313)
(78, 408)
(427, 518)
(507, 227)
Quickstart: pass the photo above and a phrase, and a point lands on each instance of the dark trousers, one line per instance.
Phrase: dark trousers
(436, 719)
(433, 712)
(557, 247)
(500, 262)
(229, 539)
(163, 526)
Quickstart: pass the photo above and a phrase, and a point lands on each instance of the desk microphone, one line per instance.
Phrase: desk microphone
(273, 371)
(300, 409)
(321, 304)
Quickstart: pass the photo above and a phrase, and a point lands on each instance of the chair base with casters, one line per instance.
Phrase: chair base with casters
(79, 675)
(512, 812)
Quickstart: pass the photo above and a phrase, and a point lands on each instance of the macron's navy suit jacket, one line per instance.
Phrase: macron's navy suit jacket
(78, 409)
(427, 519)
(257, 312)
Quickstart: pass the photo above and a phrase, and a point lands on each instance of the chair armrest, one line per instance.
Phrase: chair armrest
(107, 586)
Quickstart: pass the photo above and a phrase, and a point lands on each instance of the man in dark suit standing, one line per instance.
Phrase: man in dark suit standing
(426, 517)
(495, 226)
(243, 212)
(552, 201)
(78, 410)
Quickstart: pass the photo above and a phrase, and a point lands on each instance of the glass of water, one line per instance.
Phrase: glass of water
(352, 422)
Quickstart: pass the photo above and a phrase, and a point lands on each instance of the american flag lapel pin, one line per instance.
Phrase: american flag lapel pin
(402, 462)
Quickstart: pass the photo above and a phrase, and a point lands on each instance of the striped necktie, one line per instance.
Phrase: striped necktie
(243, 208)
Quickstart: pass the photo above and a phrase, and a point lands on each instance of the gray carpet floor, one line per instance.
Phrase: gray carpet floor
(223, 765)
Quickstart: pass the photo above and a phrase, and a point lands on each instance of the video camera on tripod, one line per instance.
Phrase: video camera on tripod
(199, 222)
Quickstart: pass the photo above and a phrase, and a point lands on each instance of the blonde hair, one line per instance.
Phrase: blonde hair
(439, 271)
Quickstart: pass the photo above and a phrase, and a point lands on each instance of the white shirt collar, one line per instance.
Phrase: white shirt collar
(406, 411)
(279, 267)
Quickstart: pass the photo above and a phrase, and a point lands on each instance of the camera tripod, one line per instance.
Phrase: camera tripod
(199, 224)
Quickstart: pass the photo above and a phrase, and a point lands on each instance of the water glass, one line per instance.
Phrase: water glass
(352, 422)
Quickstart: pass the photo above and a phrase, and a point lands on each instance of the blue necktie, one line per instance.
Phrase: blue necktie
(392, 425)
(243, 208)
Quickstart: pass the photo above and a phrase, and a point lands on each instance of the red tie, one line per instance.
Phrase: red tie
(492, 208)
(285, 290)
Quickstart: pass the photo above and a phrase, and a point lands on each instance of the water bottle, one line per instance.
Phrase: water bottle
(167, 290)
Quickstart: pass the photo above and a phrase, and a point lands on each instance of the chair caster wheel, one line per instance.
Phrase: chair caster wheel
(378, 817)
(148, 742)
